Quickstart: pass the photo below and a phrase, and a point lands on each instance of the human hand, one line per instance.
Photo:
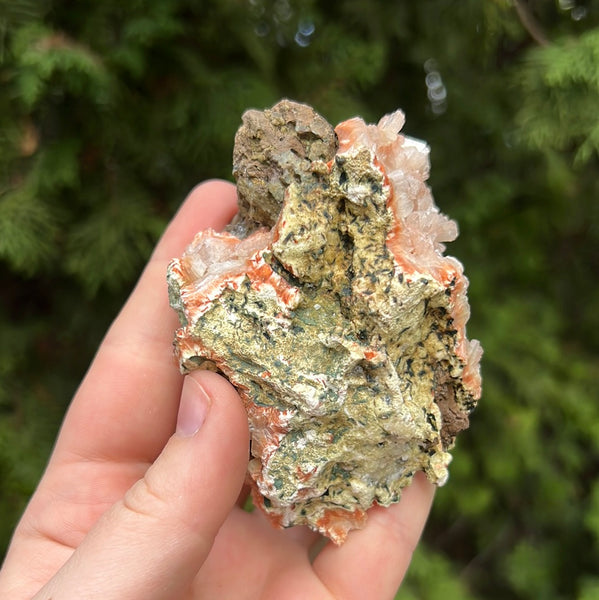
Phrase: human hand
(142, 496)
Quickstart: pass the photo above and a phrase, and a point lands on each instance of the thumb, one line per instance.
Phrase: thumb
(152, 543)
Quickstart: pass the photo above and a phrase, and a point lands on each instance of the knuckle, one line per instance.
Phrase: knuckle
(144, 499)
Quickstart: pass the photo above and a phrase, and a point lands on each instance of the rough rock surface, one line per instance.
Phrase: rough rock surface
(341, 323)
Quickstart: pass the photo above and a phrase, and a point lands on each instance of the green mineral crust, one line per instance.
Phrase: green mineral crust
(330, 306)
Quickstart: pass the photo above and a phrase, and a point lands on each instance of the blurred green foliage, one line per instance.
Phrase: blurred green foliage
(110, 112)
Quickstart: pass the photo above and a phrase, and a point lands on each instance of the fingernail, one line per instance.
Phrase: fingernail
(193, 408)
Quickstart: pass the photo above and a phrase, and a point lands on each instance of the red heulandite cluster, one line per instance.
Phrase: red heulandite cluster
(332, 309)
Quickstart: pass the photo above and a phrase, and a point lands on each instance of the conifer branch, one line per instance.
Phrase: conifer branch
(530, 23)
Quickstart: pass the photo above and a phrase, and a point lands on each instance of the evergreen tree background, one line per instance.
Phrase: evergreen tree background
(111, 112)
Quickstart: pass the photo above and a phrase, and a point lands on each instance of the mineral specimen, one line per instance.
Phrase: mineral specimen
(330, 306)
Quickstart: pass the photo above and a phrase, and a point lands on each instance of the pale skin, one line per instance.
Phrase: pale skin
(142, 496)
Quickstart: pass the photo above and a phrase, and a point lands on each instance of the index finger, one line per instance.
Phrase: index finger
(126, 406)
(373, 561)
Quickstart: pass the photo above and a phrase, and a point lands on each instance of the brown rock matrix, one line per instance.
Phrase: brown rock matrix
(330, 306)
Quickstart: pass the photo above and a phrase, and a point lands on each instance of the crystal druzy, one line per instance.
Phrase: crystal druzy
(329, 305)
